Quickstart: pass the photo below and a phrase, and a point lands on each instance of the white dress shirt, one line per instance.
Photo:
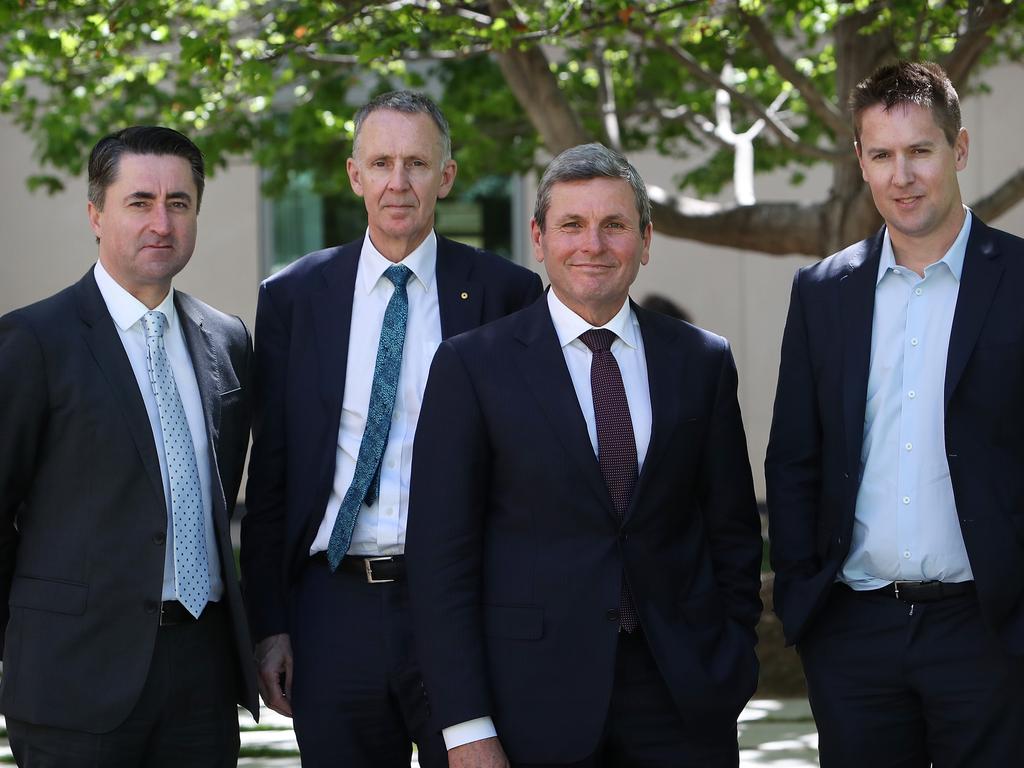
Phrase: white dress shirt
(126, 312)
(628, 350)
(906, 526)
(380, 527)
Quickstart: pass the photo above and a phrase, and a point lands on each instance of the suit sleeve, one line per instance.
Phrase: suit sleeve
(534, 290)
(444, 542)
(23, 389)
(729, 507)
(263, 527)
(793, 460)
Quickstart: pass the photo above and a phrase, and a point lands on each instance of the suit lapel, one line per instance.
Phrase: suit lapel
(204, 363)
(666, 390)
(543, 366)
(105, 344)
(981, 274)
(459, 299)
(206, 367)
(856, 306)
(331, 306)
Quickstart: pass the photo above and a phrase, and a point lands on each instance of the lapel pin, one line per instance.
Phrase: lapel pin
(463, 295)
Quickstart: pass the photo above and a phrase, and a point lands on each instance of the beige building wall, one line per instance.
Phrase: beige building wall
(47, 245)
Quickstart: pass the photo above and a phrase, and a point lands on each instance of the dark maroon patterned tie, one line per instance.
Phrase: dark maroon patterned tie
(616, 444)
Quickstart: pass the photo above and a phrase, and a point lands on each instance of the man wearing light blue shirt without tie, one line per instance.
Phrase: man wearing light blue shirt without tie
(895, 491)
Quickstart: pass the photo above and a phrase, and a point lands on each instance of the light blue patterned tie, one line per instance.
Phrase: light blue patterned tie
(366, 480)
(191, 572)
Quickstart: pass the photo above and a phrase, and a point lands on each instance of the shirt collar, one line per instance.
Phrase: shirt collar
(124, 308)
(953, 259)
(569, 325)
(422, 262)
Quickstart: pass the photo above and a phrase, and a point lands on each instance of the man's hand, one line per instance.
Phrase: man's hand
(274, 667)
(486, 753)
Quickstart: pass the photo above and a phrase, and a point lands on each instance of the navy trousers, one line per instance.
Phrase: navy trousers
(895, 685)
(357, 696)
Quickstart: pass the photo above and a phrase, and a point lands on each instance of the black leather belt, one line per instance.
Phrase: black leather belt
(925, 591)
(376, 570)
(172, 612)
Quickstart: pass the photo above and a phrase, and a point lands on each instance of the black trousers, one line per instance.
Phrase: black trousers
(898, 686)
(357, 696)
(185, 716)
(644, 728)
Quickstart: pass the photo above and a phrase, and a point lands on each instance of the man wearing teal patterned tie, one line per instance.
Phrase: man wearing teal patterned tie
(125, 426)
(344, 339)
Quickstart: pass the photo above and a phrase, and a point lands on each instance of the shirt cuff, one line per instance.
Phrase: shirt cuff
(471, 730)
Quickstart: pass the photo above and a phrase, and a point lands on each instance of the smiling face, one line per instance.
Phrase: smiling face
(147, 226)
(592, 245)
(398, 170)
(911, 170)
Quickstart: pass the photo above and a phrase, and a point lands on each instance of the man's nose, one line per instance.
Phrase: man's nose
(903, 172)
(160, 220)
(399, 178)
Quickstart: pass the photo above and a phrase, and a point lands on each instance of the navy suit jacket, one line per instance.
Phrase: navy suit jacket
(813, 461)
(83, 517)
(516, 554)
(303, 320)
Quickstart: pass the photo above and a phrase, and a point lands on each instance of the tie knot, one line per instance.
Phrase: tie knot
(398, 274)
(598, 339)
(155, 324)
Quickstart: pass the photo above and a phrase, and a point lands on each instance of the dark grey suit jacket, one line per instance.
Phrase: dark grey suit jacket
(83, 517)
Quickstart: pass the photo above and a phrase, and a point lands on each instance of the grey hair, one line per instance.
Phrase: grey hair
(409, 103)
(591, 161)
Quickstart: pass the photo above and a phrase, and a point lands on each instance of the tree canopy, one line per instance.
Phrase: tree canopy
(702, 83)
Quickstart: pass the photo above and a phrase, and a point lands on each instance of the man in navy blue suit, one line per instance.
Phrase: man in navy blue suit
(344, 340)
(585, 584)
(895, 490)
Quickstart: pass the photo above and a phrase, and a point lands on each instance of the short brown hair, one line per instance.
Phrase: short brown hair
(909, 82)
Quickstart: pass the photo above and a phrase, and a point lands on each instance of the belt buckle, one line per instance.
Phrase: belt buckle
(896, 586)
(369, 570)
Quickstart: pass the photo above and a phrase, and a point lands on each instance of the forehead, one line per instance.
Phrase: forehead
(154, 173)
(387, 132)
(902, 124)
(594, 198)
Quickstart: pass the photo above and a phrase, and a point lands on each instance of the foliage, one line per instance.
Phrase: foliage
(278, 80)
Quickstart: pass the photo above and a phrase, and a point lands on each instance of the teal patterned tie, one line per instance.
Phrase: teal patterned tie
(366, 480)
(191, 572)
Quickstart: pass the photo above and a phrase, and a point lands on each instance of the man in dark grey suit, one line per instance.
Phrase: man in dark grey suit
(125, 426)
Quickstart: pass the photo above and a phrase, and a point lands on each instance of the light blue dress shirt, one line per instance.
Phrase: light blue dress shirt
(905, 524)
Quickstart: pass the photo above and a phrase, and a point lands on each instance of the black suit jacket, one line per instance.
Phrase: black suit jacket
(516, 555)
(302, 328)
(83, 517)
(813, 461)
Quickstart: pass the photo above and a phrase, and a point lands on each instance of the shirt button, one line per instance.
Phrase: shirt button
(913, 342)
(391, 464)
(911, 394)
(389, 511)
(909, 446)
(906, 554)
(918, 291)
(906, 499)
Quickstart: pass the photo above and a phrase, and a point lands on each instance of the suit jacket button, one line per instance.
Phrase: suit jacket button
(611, 614)
(151, 606)
(160, 538)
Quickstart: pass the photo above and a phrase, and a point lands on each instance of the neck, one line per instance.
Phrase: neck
(395, 249)
(916, 253)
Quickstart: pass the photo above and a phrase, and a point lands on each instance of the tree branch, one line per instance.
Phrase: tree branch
(982, 18)
(773, 228)
(1002, 199)
(821, 107)
(786, 136)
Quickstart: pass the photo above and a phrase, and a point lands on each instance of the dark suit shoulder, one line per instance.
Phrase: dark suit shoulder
(306, 272)
(217, 322)
(679, 330)
(485, 265)
(44, 312)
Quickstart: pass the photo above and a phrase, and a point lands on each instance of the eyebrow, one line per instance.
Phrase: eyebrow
(140, 195)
